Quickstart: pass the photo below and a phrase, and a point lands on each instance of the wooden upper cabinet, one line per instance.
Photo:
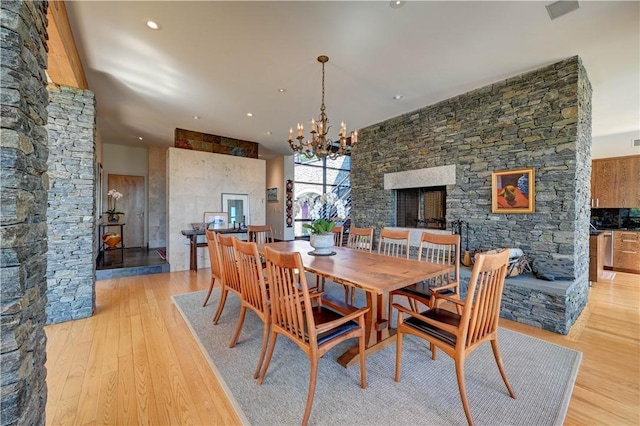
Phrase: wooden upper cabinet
(615, 182)
(628, 182)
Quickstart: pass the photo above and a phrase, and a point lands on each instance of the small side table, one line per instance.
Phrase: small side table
(102, 229)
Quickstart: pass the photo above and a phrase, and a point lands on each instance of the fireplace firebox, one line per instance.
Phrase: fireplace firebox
(421, 207)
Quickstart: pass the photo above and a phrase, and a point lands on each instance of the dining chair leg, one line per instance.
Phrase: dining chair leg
(398, 354)
(363, 365)
(463, 389)
(265, 367)
(496, 354)
(313, 374)
(223, 299)
(234, 339)
(263, 350)
(213, 283)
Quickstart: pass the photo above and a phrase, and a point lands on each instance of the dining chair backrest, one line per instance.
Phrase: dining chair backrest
(394, 242)
(214, 253)
(291, 307)
(254, 290)
(360, 238)
(228, 261)
(260, 234)
(443, 249)
(214, 259)
(481, 310)
(338, 231)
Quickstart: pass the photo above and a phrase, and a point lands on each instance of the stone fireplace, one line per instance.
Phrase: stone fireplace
(541, 120)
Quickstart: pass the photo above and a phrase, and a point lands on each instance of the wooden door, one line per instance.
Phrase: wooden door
(132, 204)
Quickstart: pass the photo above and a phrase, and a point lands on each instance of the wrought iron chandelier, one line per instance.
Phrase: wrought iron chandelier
(320, 145)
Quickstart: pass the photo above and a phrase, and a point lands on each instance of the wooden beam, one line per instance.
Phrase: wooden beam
(64, 65)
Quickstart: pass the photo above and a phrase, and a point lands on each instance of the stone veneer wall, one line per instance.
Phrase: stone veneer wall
(71, 215)
(157, 197)
(540, 119)
(23, 208)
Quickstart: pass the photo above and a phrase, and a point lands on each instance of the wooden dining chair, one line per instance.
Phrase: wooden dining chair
(443, 249)
(260, 234)
(337, 232)
(315, 329)
(360, 238)
(458, 335)
(214, 259)
(394, 242)
(254, 293)
(230, 276)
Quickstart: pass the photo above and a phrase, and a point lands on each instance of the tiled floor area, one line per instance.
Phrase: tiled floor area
(130, 262)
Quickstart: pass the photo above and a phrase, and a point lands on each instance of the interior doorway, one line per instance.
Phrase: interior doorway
(132, 204)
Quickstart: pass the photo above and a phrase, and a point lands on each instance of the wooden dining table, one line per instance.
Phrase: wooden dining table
(376, 274)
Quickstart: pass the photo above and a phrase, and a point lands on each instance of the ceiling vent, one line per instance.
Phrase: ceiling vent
(561, 7)
(636, 142)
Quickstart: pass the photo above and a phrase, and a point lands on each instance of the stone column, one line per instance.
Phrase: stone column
(72, 204)
(23, 209)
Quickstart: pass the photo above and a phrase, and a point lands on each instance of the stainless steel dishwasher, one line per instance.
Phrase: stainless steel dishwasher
(608, 249)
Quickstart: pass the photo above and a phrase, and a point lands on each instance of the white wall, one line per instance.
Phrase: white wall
(126, 160)
(195, 183)
(279, 169)
(617, 145)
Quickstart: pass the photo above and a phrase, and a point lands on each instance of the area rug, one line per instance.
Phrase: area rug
(542, 375)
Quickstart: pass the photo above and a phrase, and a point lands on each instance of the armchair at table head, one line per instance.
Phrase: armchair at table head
(315, 329)
(458, 335)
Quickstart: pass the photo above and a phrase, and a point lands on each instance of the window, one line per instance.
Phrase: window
(314, 177)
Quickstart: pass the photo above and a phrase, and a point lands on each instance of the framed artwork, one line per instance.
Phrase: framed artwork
(513, 191)
(237, 206)
(216, 220)
(272, 194)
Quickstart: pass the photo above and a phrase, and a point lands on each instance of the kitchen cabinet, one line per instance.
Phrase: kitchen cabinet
(615, 182)
(626, 251)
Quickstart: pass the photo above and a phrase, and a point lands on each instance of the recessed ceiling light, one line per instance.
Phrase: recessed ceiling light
(249, 114)
(153, 25)
(397, 97)
(281, 90)
(140, 137)
(269, 133)
(196, 117)
(396, 4)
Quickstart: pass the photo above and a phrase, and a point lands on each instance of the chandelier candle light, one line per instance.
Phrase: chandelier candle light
(320, 145)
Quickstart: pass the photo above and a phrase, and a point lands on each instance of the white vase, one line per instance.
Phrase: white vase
(322, 243)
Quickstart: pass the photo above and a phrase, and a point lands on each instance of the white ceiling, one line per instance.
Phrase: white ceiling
(221, 60)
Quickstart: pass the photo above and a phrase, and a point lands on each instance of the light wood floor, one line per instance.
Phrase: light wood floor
(135, 361)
